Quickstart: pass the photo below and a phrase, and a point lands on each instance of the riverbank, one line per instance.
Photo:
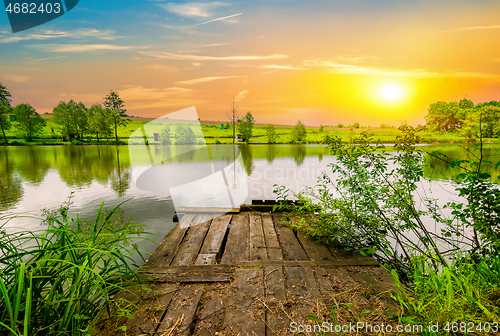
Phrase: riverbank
(213, 133)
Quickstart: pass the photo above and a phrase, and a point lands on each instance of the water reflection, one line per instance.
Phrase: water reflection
(110, 166)
(11, 189)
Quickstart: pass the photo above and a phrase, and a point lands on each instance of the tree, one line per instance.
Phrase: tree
(321, 128)
(299, 133)
(99, 121)
(165, 136)
(5, 109)
(233, 116)
(226, 125)
(445, 116)
(116, 105)
(356, 125)
(72, 117)
(483, 122)
(245, 127)
(184, 135)
(28, 121)
(271, 134)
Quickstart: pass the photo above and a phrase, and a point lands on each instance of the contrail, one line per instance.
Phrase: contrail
(44, 59)
(226, 17)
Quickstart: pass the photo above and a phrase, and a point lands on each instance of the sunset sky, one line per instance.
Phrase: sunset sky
(323, 62)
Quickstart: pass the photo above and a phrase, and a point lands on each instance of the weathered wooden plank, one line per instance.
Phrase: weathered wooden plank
(206, 259)
(302, 290)
(245, 314)
(181, 311)
(150, 309)
(237, 245)
(198, 219)
(212, 314)
(206, 210)
(257, 242)
(273, 246)
(314, 249)
(277, 322)
(344, 282)
(205, 273)
(291, 246)
(190, 246)
(186, 220)
(165, 252)
(215, 236)
(323, 263)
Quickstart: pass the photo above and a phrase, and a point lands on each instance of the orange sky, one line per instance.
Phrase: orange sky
(321, 62)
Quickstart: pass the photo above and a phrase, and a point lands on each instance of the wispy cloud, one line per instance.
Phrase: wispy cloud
(16, 78)
(203, 80)
(241, 95)
(185, 57)
(222, 18)
(372, 71)
(75, 34)
(82, 47)
(3, 32)
(284, 67)
(49, 58)
(139, 97)
(161, 67)
(479, 27)
(192, 8)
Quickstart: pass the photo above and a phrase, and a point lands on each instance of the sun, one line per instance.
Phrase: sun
(391, 92)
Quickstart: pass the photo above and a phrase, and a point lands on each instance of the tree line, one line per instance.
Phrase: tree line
(480, 120)
(76, 121)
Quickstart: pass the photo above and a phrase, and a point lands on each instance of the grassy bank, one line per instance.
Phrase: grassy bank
(214, 134)
(55, 281)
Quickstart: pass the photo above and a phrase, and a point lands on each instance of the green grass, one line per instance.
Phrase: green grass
(51, 134)
(54, 282)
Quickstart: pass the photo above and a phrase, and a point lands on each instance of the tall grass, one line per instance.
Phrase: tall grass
(55, 281)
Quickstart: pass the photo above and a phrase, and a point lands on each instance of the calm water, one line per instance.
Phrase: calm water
(34, 178)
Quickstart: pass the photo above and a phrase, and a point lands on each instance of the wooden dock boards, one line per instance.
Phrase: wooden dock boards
(245, 313)
(245, 273)
(237, 245)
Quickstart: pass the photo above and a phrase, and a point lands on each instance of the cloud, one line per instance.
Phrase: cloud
(372, 71)
(3, 32)
(49, 58)
(284, 67)
(82, 47)
(75, 34)
(479, 27)
(192, 8)
(203, 80)
(161, 67)
(241, 95)
(133, 92)
(16, 78)
(185, 57)
(222, 18)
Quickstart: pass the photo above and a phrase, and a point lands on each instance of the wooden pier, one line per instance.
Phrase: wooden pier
(245, 273)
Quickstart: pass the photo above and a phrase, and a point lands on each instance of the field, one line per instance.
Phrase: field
(213, 133)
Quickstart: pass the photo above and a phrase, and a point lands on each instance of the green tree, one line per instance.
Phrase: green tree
(165, 136)
(299, 133)
(184, 135)
(227, 125)
(483, 122)
(5, 109)
(321, 128)
(271, 134)
(245, 127)
(445, 116)
(113, 102)
(28, 121)
(72, 117)
(356, 125)
(99, 121)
